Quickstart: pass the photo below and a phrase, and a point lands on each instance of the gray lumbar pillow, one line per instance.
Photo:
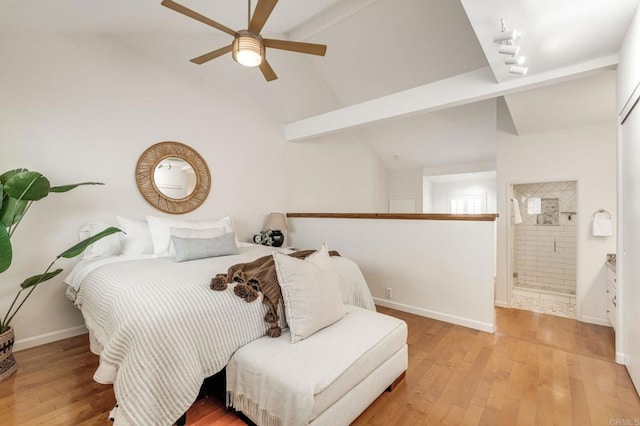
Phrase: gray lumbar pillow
(199, 248)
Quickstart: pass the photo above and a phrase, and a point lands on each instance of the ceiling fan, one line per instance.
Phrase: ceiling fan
(248, 46)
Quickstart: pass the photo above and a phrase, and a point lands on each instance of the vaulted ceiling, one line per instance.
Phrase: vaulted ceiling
(379, 48)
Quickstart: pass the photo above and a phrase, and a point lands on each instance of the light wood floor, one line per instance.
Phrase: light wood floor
(537, 369)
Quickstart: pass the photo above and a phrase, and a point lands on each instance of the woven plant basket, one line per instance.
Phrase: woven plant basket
(8, 364)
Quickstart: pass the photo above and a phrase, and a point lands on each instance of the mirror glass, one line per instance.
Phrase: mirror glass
(173, 177)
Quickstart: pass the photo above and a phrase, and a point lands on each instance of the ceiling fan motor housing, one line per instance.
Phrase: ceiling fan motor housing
(248, 49)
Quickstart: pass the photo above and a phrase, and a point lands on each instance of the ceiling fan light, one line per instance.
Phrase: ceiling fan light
(247, 49)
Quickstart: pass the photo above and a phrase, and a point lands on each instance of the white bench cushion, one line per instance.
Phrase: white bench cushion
(274, 381)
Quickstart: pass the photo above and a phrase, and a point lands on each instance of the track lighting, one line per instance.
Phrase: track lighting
(515, 69)
(506, 38)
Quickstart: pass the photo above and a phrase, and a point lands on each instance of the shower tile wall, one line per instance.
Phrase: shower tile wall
(539, 263)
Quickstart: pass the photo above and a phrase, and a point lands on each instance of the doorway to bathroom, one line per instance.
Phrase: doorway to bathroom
(543, 246)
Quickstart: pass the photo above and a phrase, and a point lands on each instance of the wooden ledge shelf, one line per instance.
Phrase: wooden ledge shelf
(487, 217)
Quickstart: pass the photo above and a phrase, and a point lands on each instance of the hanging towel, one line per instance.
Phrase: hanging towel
(517, 218)
(602, 228)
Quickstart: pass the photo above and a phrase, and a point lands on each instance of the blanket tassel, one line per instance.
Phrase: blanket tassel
(252, 410)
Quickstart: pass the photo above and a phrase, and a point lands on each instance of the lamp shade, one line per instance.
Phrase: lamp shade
(277, 221)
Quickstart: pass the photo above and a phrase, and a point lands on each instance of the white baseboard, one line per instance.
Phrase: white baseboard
(501, 304)
(54, 336)
(597, 321)
(441, 316)
(620, 358)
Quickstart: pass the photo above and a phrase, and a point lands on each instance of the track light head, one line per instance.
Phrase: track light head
(515, 60)
(503, 36)
(515, 69)
(508, 49)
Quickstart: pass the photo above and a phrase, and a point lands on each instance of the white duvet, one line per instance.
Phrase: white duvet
(161, 330)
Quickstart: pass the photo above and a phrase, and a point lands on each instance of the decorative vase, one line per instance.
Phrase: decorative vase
(8, 364)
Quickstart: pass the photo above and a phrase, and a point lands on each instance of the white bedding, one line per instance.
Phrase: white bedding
(161, 330)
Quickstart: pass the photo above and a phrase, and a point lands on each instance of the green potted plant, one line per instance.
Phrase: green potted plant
(18, 190)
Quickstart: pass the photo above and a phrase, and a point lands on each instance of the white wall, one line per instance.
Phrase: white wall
(440, 191)
(587, 155)
(85, 108)
(419, 260)
(406, 184)
(628, 73)
(337, 173)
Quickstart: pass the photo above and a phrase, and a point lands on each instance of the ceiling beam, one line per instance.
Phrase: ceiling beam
(454, 91)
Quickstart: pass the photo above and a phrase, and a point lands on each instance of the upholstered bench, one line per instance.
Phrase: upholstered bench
(329, 378)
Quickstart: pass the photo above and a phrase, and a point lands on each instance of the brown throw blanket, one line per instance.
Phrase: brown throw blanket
(255, 276)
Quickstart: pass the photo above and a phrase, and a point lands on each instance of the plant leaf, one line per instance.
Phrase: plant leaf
(40, 278)
(27, 185)
(1, 195)
(11, 173)
(82, 245)
(6, 252)
(12, 210)
(65, 188)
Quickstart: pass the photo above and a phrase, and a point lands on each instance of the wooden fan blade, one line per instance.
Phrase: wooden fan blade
(261, 14)
(211, 55)
(195, 15)
(267, 71)
(296, 46)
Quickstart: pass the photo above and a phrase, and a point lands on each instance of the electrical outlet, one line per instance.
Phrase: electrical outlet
(388, 294)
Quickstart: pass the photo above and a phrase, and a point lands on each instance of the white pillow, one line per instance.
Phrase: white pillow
(160, 228)
(200, 248)
(137, 238)
(107, 246)
(310, 292)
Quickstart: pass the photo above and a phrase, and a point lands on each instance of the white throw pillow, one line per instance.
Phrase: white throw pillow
(310, 292)
(137, 238)
(200, 248)
(107, 246)
(161, 230)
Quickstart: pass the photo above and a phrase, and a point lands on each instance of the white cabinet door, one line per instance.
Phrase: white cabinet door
(630, 279)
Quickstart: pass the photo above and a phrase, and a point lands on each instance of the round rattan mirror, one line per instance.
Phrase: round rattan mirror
(173, 177)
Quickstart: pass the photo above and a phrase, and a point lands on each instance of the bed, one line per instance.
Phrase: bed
(160, 330)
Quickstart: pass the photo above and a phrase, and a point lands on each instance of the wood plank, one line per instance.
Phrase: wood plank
(536, 369)
(485, 217)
